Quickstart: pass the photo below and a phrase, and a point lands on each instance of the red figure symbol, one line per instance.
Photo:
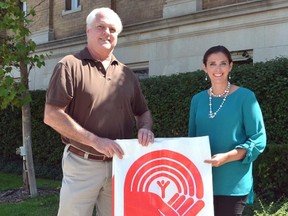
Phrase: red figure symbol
(163, 185)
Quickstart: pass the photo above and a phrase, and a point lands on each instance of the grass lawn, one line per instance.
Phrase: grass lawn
(48, 205)
(39, 206)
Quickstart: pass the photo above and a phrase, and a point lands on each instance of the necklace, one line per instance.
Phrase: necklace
(225, 94)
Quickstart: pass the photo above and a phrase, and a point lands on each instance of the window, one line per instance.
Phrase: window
(71, 6)
(141, 69)
(242, 57)
(142, 73)
(25, 7)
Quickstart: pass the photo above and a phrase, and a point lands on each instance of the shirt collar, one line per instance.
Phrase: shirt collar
(85, 55)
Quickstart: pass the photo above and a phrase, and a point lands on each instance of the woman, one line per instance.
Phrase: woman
(231, 116)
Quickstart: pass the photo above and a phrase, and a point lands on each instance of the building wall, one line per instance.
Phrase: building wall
(73, 24)
(42, 18)
(139, 10)
(176, 43)
(53, 23)
(218, 3)
(42, 23)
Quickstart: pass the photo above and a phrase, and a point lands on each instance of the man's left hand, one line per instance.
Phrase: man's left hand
(145, 136)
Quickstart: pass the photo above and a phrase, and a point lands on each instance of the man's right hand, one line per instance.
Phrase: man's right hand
(109, 148)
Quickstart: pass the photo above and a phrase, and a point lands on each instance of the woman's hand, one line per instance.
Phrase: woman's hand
(222, 158)
(217, 159)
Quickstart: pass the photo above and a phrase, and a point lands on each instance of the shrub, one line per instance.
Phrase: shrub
(169, 100)
(270, 172)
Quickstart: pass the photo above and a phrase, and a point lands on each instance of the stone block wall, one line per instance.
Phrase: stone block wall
(52, 24)
(217, 3)
(139, 10)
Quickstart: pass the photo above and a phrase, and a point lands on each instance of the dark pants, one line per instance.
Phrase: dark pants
(229, 205)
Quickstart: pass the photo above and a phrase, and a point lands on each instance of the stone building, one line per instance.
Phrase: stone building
(162, 37)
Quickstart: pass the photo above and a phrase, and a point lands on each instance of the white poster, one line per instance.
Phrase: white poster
(166, 178)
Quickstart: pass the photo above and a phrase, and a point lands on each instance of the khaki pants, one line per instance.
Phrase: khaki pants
(85, 183)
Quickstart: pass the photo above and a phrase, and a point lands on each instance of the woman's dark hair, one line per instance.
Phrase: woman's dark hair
(217, 49)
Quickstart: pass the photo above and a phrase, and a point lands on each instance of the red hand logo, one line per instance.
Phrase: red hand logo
(150, 204)
(180, 183)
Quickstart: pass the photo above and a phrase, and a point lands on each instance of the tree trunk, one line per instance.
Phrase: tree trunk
(27, 143)
(25, 175)
(26, 133)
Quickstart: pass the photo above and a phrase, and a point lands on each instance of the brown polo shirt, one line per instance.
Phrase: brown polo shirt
(103, 102)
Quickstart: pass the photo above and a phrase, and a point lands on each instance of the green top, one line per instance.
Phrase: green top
(238, 124)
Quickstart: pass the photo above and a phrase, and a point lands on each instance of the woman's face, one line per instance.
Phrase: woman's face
(217, 68)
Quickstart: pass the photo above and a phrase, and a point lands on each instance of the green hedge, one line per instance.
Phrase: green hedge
(269, 81)
(169, 97)
(271, 172)
(169, 100)
(46, 143)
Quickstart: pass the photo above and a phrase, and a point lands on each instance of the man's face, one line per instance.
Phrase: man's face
(101, 35)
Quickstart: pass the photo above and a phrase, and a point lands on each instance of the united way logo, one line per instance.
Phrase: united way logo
(164, 183)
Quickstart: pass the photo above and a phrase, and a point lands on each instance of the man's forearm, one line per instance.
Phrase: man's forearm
(145, 120)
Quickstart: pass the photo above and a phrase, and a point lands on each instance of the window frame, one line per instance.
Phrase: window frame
(141, 69)
(242, 56)
(71, 6)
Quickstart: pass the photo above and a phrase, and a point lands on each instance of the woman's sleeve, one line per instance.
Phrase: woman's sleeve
(192, 117)
(255, 129)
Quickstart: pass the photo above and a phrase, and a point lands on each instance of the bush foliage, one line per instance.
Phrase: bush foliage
(169, 100)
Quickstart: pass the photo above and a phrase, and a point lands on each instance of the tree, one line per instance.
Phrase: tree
(17, 54)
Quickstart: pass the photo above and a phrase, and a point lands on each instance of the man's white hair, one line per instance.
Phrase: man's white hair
(114, 16)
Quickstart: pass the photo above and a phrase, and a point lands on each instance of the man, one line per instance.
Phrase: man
(93, 99)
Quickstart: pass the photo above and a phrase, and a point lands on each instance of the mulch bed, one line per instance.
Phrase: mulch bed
(18, 195)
